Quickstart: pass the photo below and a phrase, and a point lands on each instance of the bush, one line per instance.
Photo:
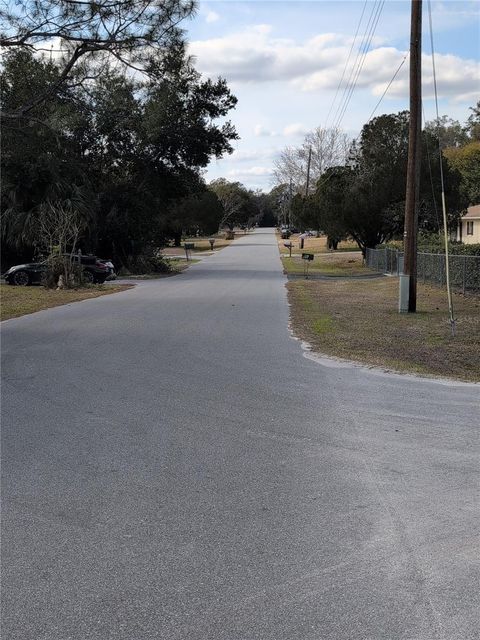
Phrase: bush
(147, 263)
(58, 265)
(434, 243)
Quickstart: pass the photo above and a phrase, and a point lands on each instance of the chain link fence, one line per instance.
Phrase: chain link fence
(464, 269)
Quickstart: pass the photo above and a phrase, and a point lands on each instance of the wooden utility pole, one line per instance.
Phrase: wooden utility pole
(308, 171)
(414, 159)
(290, 203)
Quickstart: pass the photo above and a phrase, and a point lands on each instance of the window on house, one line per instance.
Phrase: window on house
(470, 228)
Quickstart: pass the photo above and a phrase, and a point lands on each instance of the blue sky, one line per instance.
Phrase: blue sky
(284, 61)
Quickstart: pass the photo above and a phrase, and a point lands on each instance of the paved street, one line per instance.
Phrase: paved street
(175, 468)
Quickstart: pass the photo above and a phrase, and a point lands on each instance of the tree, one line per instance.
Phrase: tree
(450, 132)
(131, 150)
(466, 161)
(60, 225)
(181, 110)
(233, 197)
(473, 123)
(430, 204)
(199, 213)
(375, 190)
(40, 159)
(91, 34)
(267, 209)
(329, 147)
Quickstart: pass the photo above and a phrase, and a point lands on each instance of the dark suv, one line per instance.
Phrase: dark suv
(32, 273)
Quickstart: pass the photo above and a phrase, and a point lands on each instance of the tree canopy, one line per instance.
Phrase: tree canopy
(127, 154)
(87, 35)
(364, 197)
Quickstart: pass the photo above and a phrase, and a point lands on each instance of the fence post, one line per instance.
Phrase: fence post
(464, 273)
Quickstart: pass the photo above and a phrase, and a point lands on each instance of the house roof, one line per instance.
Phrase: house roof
(473, 212)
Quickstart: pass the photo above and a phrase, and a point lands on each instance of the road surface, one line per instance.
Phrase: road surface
(175, 468)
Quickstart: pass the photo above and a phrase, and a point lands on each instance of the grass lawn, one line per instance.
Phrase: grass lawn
(329, 264)
(358, 320)
(19, 301)
(313, 245)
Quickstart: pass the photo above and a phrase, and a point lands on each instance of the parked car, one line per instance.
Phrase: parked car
(111, 268)
(33, 272)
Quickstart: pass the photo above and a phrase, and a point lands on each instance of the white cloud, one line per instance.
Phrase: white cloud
(296, 129)
(262, 132)
(254, 55)
(253, 156)
(212, 16)
(253, 171)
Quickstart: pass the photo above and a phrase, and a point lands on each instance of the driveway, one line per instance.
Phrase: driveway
(175, 468)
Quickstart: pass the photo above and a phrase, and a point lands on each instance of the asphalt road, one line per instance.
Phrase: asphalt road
(175, 468)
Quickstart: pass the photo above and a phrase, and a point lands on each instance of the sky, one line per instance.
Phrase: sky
(284, 62)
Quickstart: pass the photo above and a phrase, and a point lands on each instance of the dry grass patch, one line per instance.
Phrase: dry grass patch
(314, 245)
(358, 320)
(201, 244)
(19, 301)
(330, 264)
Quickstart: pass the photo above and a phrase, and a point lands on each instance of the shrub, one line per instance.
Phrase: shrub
(59, 265)
(147, 263)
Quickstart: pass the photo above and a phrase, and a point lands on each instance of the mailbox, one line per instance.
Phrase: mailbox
(307, 256)
(188, 246)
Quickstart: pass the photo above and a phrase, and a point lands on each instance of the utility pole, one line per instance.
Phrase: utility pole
(290, 203)
(408, 280)
(308, 171)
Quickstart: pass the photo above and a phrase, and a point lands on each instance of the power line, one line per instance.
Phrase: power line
(388, 87)
(362, 59)
(354, 66)
(346, 63)
(376, 107)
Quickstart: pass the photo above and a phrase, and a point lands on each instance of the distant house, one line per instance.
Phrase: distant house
(468, 230)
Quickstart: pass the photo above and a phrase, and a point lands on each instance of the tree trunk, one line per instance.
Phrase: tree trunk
(177, 239)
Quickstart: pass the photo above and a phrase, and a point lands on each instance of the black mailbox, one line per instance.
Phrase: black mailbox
(189, 246)
(307, 256)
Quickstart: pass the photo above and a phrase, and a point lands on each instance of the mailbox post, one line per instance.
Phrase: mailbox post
(212, 242)
(307, 258)
(289, 246)
(188, 247)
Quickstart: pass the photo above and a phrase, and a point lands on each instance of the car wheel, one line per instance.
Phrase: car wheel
(21, 278)
(88, 277)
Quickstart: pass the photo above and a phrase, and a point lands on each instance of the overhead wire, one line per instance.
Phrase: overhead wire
(354, 66)
(361, 61)
(376, 106)
(346, 63)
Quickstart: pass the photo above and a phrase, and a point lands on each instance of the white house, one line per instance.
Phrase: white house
(468, 230)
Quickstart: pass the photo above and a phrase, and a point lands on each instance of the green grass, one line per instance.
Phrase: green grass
(329, 264)
(314, 245)
(359, 320)
(20, 301)
(323, 324)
